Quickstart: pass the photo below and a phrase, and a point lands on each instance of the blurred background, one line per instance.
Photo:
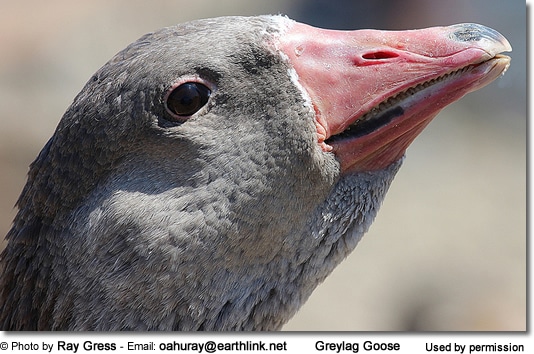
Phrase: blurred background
(448, 249)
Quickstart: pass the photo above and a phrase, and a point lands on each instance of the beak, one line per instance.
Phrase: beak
(374, 91)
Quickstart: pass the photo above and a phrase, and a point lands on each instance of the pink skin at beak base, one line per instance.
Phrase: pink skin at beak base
(347, 73)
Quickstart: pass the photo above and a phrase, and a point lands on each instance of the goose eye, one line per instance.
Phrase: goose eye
(187, 99)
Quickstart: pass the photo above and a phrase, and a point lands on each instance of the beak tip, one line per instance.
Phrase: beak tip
(488, 37)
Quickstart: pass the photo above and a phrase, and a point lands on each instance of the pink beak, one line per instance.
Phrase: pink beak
(374, 91)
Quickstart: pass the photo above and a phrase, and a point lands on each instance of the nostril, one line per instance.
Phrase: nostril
(380, 55)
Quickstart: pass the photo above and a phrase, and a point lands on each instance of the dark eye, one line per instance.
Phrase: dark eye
(187, 98)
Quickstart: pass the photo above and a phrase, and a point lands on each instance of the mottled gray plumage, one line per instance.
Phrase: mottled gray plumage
(131, 222)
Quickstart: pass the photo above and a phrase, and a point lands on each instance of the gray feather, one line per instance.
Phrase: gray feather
(226, 222)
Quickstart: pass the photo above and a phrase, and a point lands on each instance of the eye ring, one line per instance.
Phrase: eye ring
(186, 98)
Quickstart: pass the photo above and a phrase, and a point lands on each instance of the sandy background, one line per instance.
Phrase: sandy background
(448, 249)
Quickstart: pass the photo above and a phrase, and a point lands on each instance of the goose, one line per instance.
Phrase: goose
(213, 173)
